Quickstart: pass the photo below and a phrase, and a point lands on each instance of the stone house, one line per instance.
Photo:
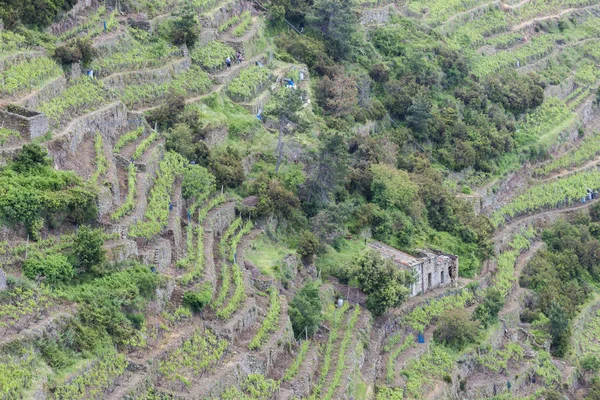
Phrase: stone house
(432, 269)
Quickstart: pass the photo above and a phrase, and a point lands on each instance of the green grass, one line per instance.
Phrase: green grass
(328, 262)
(267, 255)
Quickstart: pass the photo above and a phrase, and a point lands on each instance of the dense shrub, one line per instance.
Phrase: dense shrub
(198, 299)
(456, 330)
(39, 13)
(87, 249)
(305, 310)
(79, 50)
(53, 268)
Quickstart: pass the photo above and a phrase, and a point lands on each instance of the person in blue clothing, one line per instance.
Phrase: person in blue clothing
(228, 62)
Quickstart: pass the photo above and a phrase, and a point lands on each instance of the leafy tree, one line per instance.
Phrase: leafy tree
(39, 13)
(284, 106)
(385, 284)
(54, 268)
(487, 311)
(456, 330)
(308, 244)
(590, 363)
(337, 21)
(305, 309)
(30, 157)
(197, 182)
(78, 50)
(274, 198)
(227, 168)
(180, 139)
(393, 188)
(337, 95)
(87, 249)
(185, 28)
(559, 329)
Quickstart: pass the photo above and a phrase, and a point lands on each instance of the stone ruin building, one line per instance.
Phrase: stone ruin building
(30, 124)
(433, 269)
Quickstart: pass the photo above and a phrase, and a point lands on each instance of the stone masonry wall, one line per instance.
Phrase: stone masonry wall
(48, 92)
(29, 127)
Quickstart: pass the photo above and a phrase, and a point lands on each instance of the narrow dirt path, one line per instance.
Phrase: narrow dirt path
(512, 301)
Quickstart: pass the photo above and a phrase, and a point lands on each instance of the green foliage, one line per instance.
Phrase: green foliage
(305, 310)
(101, 162)
(197, 355)
(420, 372)
(420, 318)
(95, 380)
(78, 50)
(87, 249)
(270, 323)
(245, 23)
(308, 244)
(40, 13)
(83, 96)
(248, 83)
(129, 203)
(31, 191)
(127, 138)
(53, 268)
(194, 81)
(185, 28)
(144, 145)
(390, 369)
(29, 74)
(487, 311)
(456, 330)
(157, 213)
(17, 372)
(563, 192)
(211, 56)
(197, 183)
(383, 282)
(293, 369)
(198, 299)
(101, 320)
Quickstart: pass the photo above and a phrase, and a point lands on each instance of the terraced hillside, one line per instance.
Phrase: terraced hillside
(189, 187)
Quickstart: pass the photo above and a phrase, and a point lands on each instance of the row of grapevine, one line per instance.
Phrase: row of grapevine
(192, 82)
(101, 161)
(326, 361)
(83, 96)
(421, 317)
(157, 213)
(341, 364)
(270, 323)
(143, 146)
(28, 74)
(129, 203)
(293, 369)
(563, 192)
(127, 138)
(133, 55)
(244, 24)
(94, 381)
(197, 355)
(390, 369)
(22, 306)
(239, 293)
(17, 373)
